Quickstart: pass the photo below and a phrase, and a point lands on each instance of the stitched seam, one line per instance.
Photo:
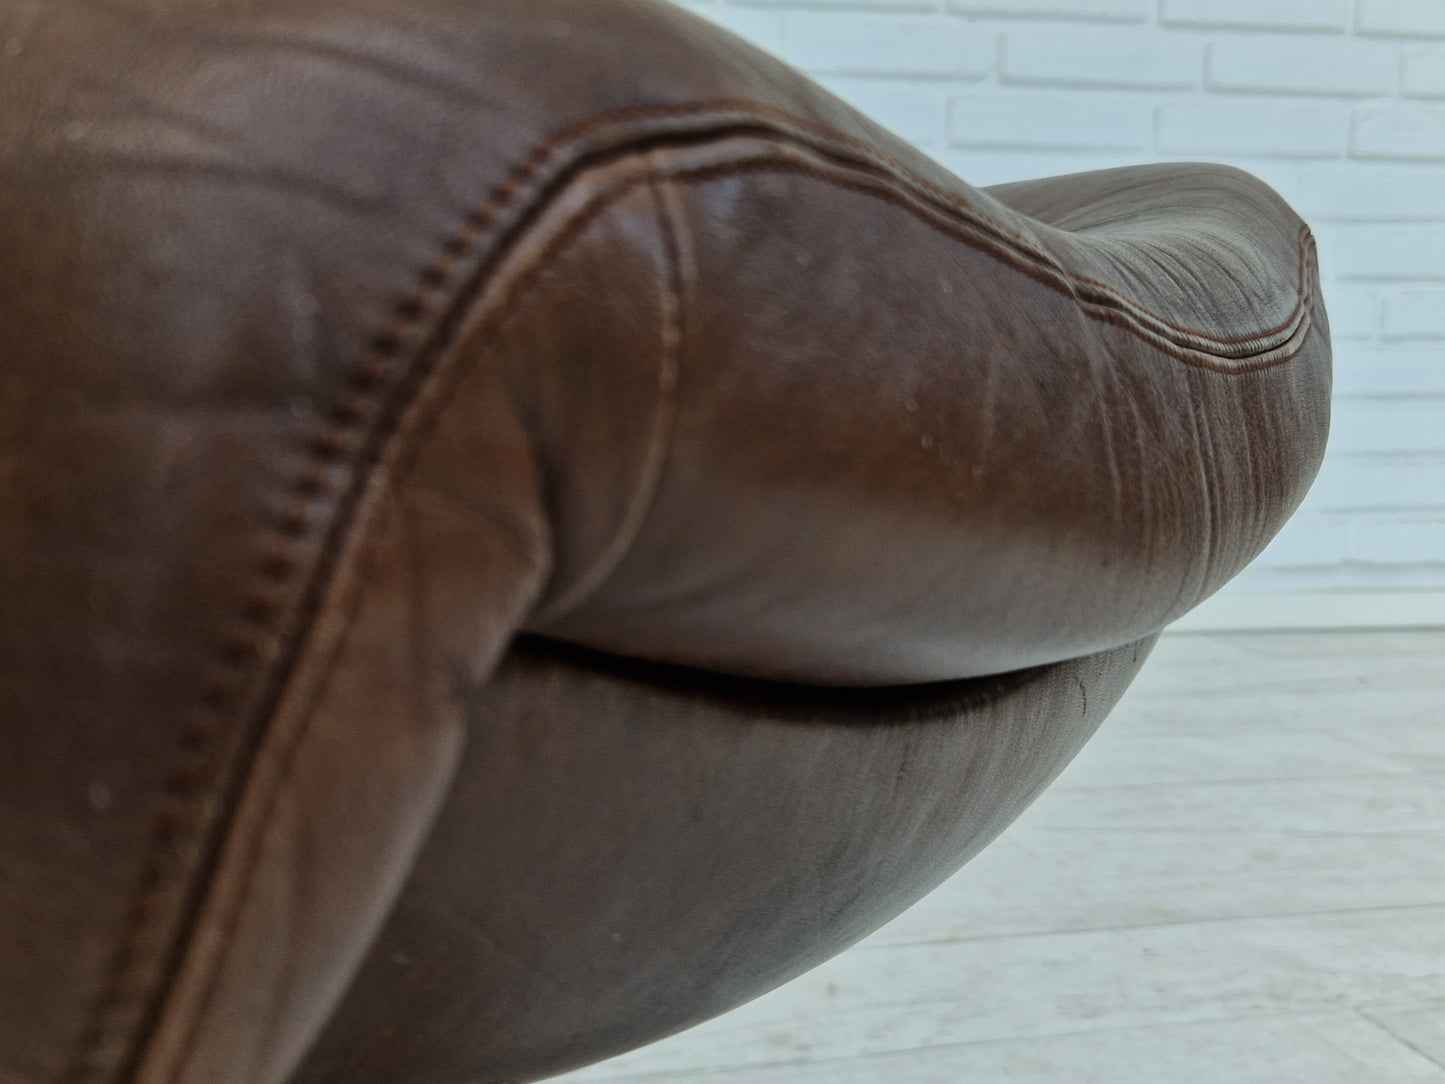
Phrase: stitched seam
(957, 202)
(368, 395)
(951, 199)
(525, 279)
(879, 188)
(442, 381)
(365, 394)
(744, 110)
(1095, 310)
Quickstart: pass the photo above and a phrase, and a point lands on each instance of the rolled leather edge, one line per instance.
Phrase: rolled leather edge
(175, 306)
(521, 388)
(902, 447)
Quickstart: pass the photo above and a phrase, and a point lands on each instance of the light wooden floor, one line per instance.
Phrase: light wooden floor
(1241, 879)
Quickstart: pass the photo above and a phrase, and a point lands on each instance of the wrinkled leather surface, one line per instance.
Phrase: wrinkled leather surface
(344, 340)
(745, 833)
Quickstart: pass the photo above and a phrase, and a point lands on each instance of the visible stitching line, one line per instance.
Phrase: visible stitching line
(365, 389)
(789, 124)
(1110, 314)
(524, 281)
(1126, 302)
(1303, 238)
(428, 407)
(878, 188)
(957, 201)
(262, 611)
(960, 203)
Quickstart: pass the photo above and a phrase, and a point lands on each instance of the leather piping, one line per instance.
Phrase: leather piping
(356, 434)
(825, 140)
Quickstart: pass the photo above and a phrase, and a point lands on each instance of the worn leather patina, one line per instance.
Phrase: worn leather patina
(526, 523)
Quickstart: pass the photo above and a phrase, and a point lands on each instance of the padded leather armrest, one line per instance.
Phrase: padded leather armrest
(905, 432)
(346, 339)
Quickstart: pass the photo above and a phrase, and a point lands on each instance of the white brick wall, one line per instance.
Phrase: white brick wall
(1252, 15)
(919, 48)
(1415, 314)
(1423, 74)
(1340, 104)
(1091, 57)
(1273, 64)
(1402, 18)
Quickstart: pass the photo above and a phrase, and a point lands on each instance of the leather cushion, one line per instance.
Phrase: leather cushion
(345, 339)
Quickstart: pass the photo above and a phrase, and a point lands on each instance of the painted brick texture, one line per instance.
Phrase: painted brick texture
(1339, 104)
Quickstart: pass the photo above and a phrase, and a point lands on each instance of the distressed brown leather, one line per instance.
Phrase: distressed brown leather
(346, 340)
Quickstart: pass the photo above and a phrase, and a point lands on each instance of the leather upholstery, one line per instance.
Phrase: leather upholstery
(345, 340)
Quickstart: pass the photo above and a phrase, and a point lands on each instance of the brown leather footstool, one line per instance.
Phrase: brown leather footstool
(526, 523)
